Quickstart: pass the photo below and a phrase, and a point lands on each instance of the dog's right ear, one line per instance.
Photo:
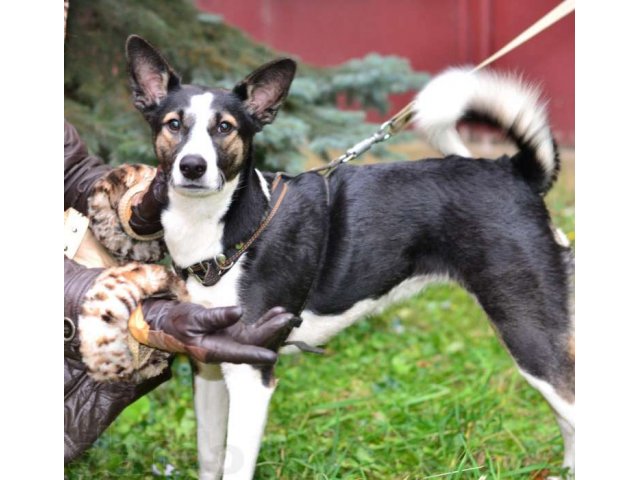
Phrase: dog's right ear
(264, 90)
(150, 74)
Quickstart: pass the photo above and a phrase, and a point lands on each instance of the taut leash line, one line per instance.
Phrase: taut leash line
(559, 12)
(401, 119)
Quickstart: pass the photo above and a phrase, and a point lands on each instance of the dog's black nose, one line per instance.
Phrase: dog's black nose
(193, 166)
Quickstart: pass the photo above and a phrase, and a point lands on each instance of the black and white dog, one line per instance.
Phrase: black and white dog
(369, 236)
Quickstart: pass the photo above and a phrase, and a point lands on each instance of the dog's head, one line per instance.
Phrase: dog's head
(202, 136)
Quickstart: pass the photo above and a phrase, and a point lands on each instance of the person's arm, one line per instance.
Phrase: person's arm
(98, 307)
(81, 170)
(123, 204)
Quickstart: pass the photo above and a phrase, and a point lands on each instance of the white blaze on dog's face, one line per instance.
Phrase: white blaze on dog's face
(201, 139)
(198, 146)
(202, 144)
(202, 136)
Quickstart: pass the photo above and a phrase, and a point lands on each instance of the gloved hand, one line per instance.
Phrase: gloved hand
(214, 334)
(145, 212)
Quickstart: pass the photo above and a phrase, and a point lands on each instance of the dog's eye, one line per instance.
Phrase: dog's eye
(224, 127)
(174, 125)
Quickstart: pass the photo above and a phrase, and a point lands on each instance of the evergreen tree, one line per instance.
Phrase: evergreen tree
(206, 51)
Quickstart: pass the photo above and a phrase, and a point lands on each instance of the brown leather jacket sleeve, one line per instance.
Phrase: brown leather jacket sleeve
(77, 280)
(90, 406)
(81, 170)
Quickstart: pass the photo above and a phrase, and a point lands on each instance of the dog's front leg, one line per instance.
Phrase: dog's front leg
(249, 396)
(212, 407)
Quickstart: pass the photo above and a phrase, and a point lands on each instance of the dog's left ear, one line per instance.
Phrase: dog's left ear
(151, 77)
(264, 91)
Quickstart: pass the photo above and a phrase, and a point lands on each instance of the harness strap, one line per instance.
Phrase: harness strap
(303, 346)
(209, 272)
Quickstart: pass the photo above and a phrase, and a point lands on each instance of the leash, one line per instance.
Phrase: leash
(400, 120)
(558, 13)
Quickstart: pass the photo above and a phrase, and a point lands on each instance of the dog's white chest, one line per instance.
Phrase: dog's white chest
(225, 293)
(192, 225)
(193, 232)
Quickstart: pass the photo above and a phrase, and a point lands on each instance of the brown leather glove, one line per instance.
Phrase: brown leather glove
(145, 215)
(214, 335)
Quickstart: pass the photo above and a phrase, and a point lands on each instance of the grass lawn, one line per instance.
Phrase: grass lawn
(423, 391)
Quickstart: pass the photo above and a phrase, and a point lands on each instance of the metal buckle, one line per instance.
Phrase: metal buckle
(69, 325)
(196, 276)
(221, 261)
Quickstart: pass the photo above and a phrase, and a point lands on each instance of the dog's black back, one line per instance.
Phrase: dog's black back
(478, 222)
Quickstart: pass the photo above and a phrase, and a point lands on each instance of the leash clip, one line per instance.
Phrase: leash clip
(385, 131)
(359, 148)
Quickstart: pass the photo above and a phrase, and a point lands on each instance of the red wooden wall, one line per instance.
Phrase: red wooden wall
(432, 34)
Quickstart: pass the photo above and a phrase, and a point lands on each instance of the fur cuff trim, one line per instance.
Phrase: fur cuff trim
(103, 208)
(107, 348)
(125, 212)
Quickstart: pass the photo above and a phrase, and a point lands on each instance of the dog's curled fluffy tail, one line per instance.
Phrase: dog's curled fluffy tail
(497, 99)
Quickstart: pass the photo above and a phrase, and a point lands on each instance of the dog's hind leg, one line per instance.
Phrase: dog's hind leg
(548, 368)
(212, 405)
(249, 395)
(529, 301)
(562, 398)
(565, 415)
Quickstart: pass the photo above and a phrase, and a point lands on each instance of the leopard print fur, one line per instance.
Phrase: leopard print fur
(103, 321)
(105, 222)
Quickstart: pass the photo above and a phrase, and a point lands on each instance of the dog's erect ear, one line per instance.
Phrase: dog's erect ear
(150, 75)
(264, 91)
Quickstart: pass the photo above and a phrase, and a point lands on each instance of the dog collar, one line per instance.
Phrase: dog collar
(209, 272)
